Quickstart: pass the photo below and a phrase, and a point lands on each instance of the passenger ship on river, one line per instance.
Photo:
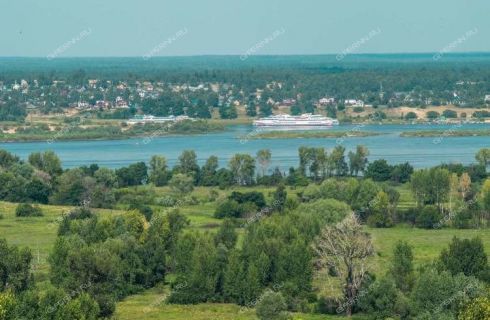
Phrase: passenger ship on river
(304, 120)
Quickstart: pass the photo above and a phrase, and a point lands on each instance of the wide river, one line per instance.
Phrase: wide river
(420, 152)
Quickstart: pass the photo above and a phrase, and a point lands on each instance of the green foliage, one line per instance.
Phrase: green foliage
(7, 305)
(238, 204)
(483, 157)
(485, 195)
(402, 267)
(255, 197)
(465, 256)
(203, 273)
(13, 111)
(401, 172)
(229, 208)
(439, 294)
(358, 160)
(47, 162)
(379, 170)
(324, 211)
(15, 268)
(381, 215)
(449, 113)
(432, 115)
(226, 234)
(280, 198)
(431, 186)
(181, 183)
(242, 167)
(478, 309)
(228, 112)
(28, 210)
(208, 174)
(272, 306)
(251, 110)
(116, 255)
(159, 175)
(410, 116)
(7, 159)
(383, 300)
(428, 218)
(133, 175)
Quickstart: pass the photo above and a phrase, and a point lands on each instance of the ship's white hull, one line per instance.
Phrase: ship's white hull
(304, 120)
(268, 123)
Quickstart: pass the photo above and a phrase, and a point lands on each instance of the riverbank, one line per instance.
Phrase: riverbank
(312, 134)
(109, 132)
(451, 132)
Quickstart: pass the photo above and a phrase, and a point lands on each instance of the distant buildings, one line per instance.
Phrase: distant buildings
(326, 100)
(288, 102)
(121, 103)
(102, 104)
(354, 103)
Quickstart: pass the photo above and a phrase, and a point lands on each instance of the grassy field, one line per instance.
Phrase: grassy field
(150, 305)
(39, 234)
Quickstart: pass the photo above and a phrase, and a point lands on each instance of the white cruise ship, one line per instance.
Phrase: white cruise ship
(305, 120)
(153, 119)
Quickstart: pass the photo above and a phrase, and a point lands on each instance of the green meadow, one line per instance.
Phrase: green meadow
(39, 234)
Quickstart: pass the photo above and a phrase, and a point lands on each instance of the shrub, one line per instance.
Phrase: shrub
(181, 183)
(428, 218)
(410, 116)
(80, 214)
(381, 299)
(465, 256)
(439, 295)
(255, 197)
(327, 305)
(228, 208)
(379, 170)
(7, 305)
(311, 192)
(272, 306)
(478, 309)
(481, 114)
(27, 210)
(450, 113)
(143, 209)
(432, 115)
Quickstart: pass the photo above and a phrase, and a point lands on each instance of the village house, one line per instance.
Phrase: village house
(288, 102)
(121, 103)
(326, 100)
(354, 103)
(102, 104)
(92, 83)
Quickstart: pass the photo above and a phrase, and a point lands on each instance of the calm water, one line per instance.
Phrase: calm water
(420, 152)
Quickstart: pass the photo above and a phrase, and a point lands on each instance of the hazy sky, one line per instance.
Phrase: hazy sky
(146, 27)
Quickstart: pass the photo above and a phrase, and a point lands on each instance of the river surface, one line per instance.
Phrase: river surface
(420, 152)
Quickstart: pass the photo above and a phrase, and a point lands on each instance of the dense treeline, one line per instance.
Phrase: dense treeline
(450, 188)
(287, 238)
(277, 78)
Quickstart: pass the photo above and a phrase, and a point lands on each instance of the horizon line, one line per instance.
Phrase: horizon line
(259, 55)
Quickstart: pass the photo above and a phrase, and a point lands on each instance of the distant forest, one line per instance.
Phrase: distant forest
(415, 80)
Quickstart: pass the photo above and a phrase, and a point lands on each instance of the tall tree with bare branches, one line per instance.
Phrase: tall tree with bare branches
(345, 247)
